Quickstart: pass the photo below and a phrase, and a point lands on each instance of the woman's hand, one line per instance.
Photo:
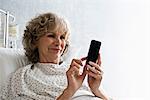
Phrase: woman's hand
(95, 73)
(75, 79)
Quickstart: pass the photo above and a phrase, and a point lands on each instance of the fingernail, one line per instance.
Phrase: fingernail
(90, 62)
(87, 67)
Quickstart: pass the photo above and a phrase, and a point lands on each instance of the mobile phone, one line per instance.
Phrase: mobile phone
(93, 51)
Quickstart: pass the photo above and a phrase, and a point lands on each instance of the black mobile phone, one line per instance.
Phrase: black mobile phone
(93, 51)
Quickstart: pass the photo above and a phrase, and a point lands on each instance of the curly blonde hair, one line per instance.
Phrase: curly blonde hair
(39, 26)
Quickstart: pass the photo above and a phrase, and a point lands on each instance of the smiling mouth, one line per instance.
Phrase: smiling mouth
(55, 49)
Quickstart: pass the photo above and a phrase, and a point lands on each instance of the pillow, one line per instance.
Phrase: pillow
(10, 60)
(73, 52)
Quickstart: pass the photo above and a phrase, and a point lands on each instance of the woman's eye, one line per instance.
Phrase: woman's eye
(51, 36)
(62, 37)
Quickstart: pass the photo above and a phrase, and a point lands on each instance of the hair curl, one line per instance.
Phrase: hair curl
(39, 26)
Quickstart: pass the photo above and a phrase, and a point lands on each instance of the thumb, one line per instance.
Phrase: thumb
(83, 58)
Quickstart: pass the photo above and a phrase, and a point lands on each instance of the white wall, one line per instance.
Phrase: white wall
(123, 26)
(126, 51)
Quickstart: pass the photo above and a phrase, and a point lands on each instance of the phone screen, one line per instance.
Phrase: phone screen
(93, 51)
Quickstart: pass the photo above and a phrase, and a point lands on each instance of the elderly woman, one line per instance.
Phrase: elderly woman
(45, 40)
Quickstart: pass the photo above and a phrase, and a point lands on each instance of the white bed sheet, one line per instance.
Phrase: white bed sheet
(84, 95)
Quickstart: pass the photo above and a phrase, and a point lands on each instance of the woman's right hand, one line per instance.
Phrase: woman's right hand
(75, 79)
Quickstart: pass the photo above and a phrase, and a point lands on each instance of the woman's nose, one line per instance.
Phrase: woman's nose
(58, 41)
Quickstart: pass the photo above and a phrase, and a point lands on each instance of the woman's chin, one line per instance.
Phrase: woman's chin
(57, 56)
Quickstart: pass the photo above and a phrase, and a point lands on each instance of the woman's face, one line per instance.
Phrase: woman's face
(51, 46)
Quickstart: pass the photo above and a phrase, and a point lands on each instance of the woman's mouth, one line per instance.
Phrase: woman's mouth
(56, 49)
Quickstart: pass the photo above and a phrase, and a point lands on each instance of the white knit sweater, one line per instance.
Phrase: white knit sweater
(40, 82)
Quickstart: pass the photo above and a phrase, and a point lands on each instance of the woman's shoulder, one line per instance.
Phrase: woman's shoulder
(23, 68)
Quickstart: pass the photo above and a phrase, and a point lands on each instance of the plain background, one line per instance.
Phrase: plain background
(123, 27)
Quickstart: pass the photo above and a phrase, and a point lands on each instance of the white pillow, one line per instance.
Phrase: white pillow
(10, 60)
(73, 52)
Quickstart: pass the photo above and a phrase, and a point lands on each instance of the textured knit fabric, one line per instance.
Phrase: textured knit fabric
(39, 82)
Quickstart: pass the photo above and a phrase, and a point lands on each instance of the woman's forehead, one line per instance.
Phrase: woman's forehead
(57, 33)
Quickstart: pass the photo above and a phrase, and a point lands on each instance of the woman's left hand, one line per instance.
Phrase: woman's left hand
(94, 72)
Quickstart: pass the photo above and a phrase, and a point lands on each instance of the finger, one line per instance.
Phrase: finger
(96, 76)
(99, 59)
(84, 58)
(76, 70)
(73, 64)
(73, 70)
(78, 61)
(92, 69)
(95, 65)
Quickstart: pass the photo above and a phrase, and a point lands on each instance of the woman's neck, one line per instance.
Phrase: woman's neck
(54, 61)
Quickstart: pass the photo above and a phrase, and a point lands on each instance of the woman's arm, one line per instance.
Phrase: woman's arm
(99, 93)
(66, 95)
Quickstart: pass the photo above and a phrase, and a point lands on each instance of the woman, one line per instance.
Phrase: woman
(45, 40)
